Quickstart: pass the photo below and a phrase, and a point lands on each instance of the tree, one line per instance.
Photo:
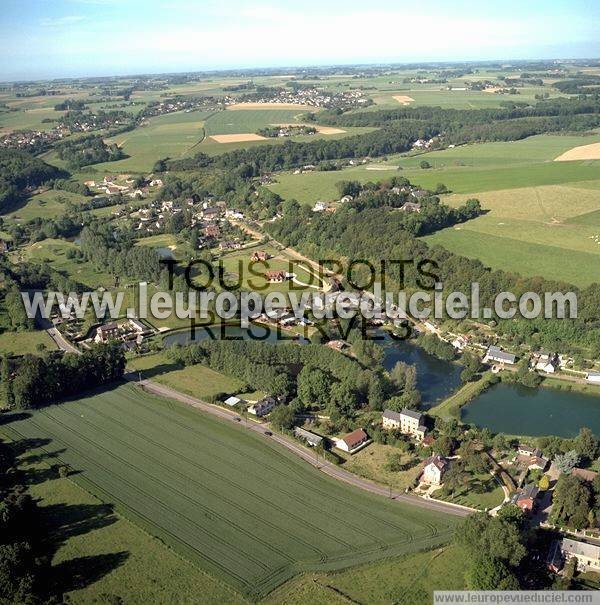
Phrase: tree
(282, 417)
(471, 366)
(488, 573)
(544, 483)
(571, 502)
(424, 164)
(445, 445)
(586, 444)
(313, 386)
(456, 478)
(566, 462)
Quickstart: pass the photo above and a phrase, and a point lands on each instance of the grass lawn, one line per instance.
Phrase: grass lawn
(19, 343)
(369, 463)
(408, 580)
(533, 231)
(236, 264)
(482, 492)
(197, 380)
(97, 552)
(239, 506)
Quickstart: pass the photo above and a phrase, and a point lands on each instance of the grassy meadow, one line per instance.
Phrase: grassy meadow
(235, 504)
(407, 580)
(542, 216)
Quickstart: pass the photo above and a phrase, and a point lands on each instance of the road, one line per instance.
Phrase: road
(325, 467)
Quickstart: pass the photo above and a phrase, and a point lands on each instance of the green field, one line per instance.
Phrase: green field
(196, 380)
(48, 204)
(465, 169)
(409, 580)
(533, 231)
(54, 252)
(250, 120)
(173, 135)
(242, 508)
(542, 216)
(19, 343)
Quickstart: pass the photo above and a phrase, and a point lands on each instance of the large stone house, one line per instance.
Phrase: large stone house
(407, 422)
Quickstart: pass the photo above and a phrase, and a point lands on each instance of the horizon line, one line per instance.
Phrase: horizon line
(225, 70)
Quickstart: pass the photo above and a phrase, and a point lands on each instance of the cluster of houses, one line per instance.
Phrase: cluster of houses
(423, 144)
(172, 105)
(130, 333)
(412, 205)
(113, 185)
(33, 140)
(305, 96)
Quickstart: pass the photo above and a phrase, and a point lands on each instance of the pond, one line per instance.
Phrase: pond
(436, 379)
(233, 332)
(518, 410)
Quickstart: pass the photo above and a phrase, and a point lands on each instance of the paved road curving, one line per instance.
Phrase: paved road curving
(325, 467)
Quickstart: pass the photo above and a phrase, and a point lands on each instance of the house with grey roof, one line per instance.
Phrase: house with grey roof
(311, 438)
(499, 356)
(587, 555)
(408, 422)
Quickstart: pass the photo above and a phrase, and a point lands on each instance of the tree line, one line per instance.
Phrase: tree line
(34, 381)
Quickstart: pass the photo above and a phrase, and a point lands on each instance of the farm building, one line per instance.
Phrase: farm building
(277, 276)
(138, 326)
(498, 355)
(259, 255)
(531, 458)
(106, 332)
(353, 441)
(233, 401)
(311, 438)
(593, 377)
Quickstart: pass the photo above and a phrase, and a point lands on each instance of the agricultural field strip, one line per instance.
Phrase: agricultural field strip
(324, 494)
(255, 464)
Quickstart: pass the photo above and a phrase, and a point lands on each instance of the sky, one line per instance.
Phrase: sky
(69, 38)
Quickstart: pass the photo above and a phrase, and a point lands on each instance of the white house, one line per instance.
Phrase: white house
(498, 355)
(262, 407)
(353, 441)
(434, 470)
(593, 377)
